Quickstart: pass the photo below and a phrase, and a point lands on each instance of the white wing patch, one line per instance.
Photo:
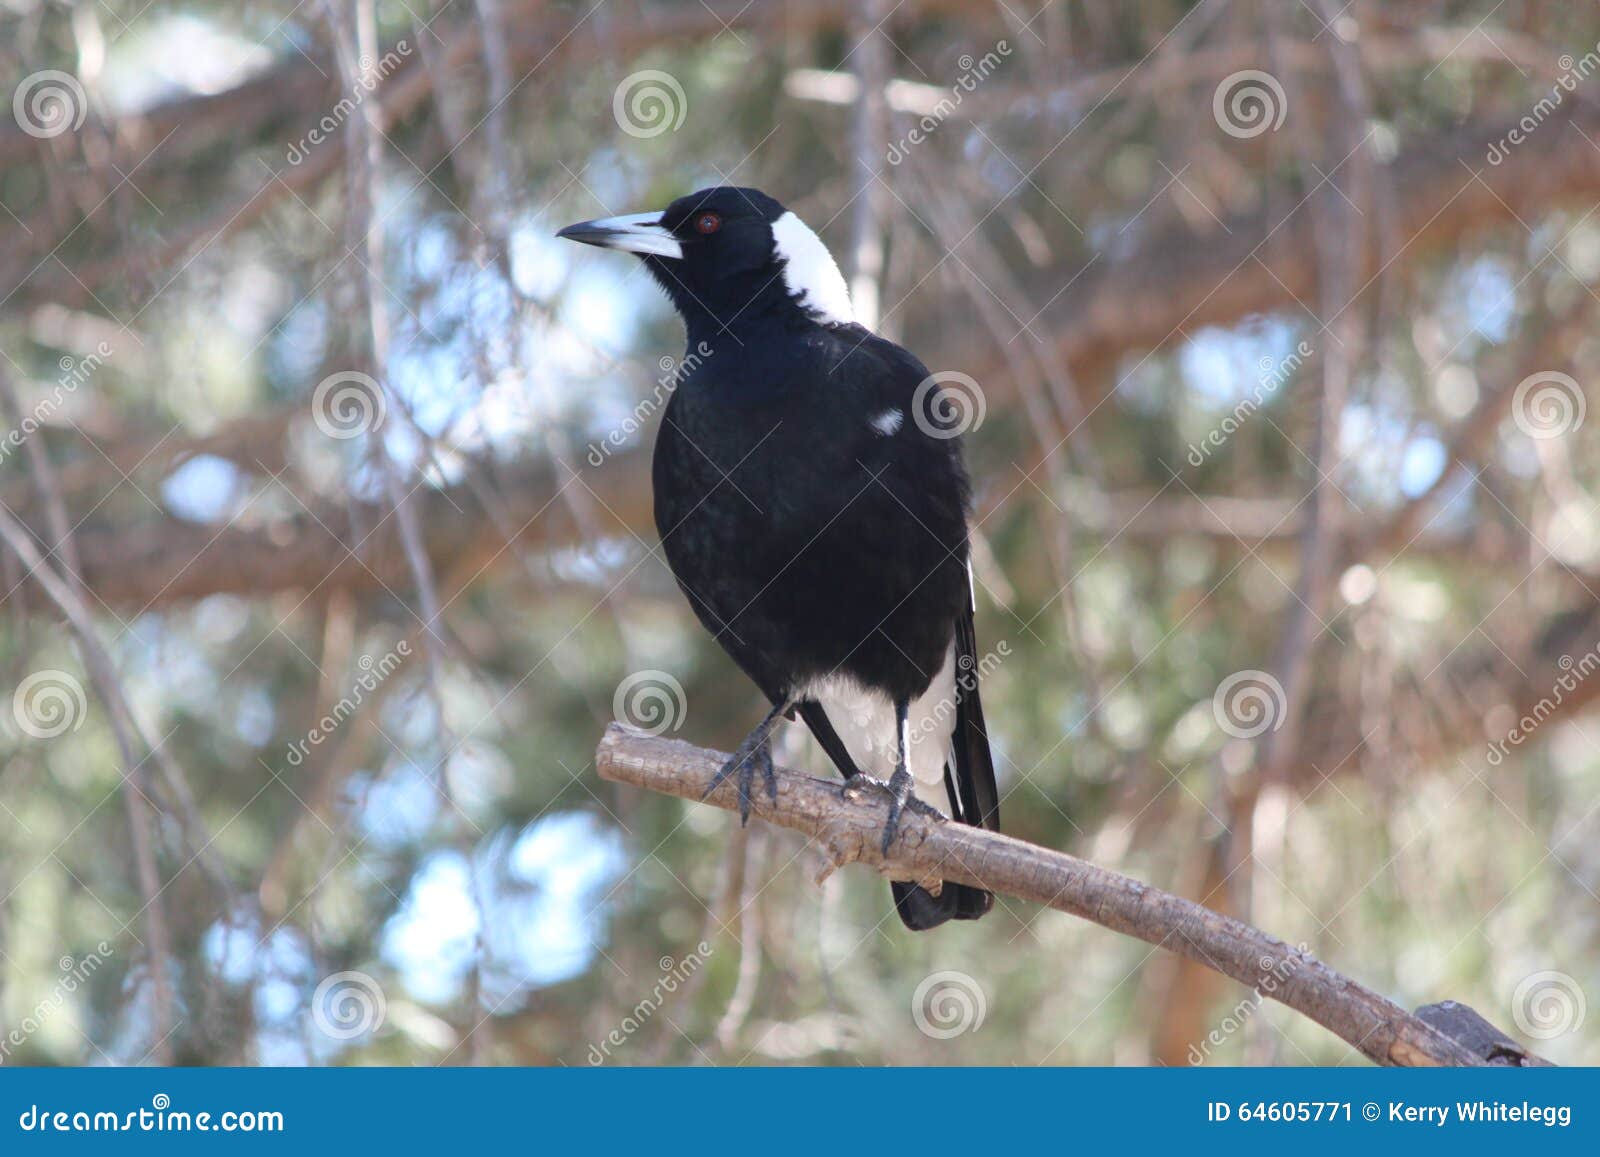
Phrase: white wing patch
(864, 720)
(889, 422)
(809, 272)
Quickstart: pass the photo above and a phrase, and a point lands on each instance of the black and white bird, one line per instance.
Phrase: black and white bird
(812, 503)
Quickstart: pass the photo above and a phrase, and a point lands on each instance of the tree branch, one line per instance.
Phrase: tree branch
(847, 825)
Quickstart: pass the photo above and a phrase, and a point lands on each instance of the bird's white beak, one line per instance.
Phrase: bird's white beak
(634, 232)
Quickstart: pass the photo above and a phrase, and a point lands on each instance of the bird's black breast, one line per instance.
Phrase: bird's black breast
(807, 541)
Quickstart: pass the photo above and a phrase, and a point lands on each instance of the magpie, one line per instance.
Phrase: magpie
(812, 504)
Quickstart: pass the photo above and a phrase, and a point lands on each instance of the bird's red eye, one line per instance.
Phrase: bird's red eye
(707, 223)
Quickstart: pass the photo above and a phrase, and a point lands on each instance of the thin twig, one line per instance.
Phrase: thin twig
(135, 788)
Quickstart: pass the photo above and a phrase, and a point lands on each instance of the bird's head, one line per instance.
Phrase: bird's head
(727, 254)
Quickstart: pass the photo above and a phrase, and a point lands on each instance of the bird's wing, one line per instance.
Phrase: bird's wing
(971, 763)
(969, 771)
(969, 782)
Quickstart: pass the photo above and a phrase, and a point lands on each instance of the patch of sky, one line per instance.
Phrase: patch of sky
(398, 807)
(1477, 303)
(546, 910)
(254, 716)
(431, 940)
(1385, 458)
(166, 56)
(1222, 367)
(203, 489)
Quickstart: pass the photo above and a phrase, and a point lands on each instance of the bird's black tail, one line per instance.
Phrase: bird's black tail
(970, 784)
(919, 909)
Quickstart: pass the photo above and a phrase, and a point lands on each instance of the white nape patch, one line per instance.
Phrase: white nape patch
(865, 722)
(809, 272)
(888, 423)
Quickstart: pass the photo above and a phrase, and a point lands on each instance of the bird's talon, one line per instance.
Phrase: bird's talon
(769, 773)
(899, 789)
(743, 763)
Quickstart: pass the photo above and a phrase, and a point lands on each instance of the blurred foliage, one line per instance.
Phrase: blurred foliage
(506, 905)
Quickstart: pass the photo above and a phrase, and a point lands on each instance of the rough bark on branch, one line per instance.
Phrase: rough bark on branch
(847, 825)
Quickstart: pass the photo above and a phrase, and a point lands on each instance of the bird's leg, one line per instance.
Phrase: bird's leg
(755, 752)
(901, 783)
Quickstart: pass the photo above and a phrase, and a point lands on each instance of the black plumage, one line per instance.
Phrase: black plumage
(815, 522)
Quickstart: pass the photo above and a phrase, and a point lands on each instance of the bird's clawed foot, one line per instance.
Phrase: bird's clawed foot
(900, 797)
(753, 754)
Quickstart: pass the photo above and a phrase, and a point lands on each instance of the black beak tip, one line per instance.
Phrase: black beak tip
(586, 233)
